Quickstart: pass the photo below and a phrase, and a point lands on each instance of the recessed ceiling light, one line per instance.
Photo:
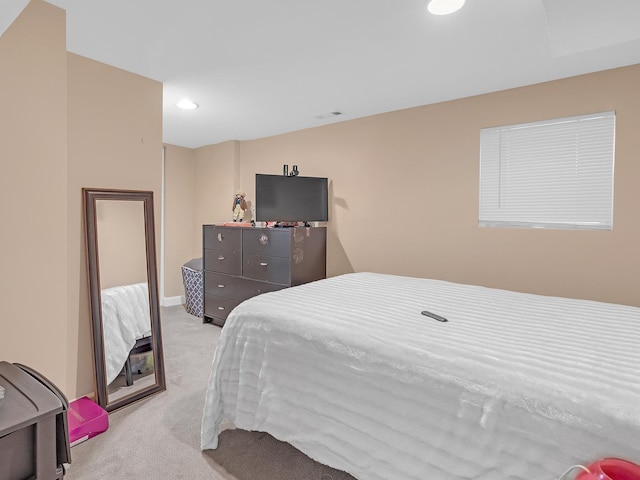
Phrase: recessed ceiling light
(444, 7)
(186, 104)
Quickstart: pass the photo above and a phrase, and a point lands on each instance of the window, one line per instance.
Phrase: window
(551, 174)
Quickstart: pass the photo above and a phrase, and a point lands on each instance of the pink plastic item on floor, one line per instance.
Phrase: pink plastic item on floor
(86, 420)
(611, 469)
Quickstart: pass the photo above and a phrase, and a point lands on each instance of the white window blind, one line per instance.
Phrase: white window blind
(551, 174)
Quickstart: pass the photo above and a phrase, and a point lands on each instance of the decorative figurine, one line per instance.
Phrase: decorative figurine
(239, 206)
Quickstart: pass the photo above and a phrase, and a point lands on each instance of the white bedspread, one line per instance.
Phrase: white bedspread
(513, 386)
(125, 319)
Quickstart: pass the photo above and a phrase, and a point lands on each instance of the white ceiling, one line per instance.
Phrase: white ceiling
(260, 68)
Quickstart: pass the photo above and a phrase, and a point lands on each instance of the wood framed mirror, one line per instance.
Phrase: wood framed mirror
(123, 295)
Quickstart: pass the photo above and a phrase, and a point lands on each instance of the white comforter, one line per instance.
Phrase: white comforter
(125, 319)
(513, 386)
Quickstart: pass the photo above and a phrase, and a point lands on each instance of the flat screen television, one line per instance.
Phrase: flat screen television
(280, 198)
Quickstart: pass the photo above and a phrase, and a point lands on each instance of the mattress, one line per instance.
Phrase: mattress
(125, 319)
(513, 386)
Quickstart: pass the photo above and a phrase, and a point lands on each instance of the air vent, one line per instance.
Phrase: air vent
(322, 116)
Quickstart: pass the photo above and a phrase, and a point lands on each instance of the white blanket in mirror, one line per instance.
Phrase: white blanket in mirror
(513, 387)
(125, 319)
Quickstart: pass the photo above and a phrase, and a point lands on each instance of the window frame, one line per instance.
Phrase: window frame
(516, 161)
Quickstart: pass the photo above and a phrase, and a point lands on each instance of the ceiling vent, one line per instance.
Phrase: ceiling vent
(322, 116)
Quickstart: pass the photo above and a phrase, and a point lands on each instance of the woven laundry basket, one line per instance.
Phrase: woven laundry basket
(192, 278)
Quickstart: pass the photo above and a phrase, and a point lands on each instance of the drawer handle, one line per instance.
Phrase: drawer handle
(220, 308)
(220, 237)
(263, 264)
(220, 286)
(220, 257)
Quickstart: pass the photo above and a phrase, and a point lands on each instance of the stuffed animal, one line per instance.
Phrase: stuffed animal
(239, 206)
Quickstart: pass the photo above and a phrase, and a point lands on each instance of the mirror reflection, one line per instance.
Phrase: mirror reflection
(123, 294)
(126, 319)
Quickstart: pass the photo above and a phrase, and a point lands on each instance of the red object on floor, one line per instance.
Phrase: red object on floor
(611, 469)
(86, 419)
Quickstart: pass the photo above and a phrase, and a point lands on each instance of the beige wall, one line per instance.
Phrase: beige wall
(68, 123)
(199, 188)
(33, 192)
(179, 183)
(122, 249)
(114, 141)
(404, 191)
(216, 172)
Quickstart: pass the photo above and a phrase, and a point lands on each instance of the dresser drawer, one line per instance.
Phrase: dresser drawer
(218, 307)
(267, 241)
(222, 261)
(256, 288)
(266, 268)
(221, 238)
(235, 287)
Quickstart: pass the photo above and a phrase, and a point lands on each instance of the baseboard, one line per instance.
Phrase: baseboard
(172, 301)
(91, 396)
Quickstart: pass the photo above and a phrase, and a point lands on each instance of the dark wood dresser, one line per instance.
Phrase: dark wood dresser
(242, 262)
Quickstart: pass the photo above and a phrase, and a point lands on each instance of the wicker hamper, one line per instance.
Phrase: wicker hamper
(193, 287)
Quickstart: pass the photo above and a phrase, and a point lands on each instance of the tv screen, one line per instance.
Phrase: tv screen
(291, 199)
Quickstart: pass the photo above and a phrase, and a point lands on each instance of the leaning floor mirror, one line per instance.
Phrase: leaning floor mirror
(123, 296)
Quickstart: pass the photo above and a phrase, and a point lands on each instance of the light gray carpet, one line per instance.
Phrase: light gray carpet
(159, 437)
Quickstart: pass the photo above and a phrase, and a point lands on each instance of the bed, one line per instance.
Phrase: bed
(513, 386)
(126, 325)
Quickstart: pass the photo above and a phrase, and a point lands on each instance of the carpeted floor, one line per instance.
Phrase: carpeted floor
(159, 437)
